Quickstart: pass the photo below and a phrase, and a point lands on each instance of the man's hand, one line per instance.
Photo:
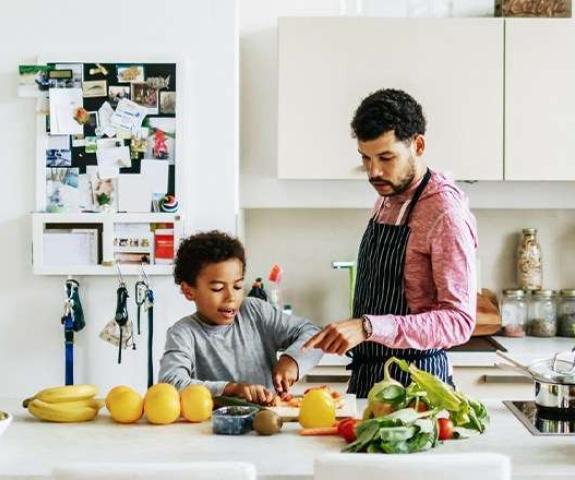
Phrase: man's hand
(285, 374)
(338, 337)
(250, 392)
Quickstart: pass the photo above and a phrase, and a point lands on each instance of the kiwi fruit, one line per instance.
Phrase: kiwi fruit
(267, 422)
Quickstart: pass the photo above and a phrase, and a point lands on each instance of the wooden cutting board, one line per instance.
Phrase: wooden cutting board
(348, 409)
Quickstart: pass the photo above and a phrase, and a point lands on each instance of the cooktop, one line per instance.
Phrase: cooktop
(479, 344)
(528, 415)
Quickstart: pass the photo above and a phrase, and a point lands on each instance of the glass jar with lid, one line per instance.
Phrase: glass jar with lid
(513, 312)
(542, 314)
(566, 313)
(529, 261)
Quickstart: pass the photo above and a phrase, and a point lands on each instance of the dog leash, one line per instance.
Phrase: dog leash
(73, 321)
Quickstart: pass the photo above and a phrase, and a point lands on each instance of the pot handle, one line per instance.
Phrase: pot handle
(513, 362)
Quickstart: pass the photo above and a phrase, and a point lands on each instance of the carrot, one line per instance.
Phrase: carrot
(318, 431)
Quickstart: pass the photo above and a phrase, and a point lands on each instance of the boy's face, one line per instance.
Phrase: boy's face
(218, 292)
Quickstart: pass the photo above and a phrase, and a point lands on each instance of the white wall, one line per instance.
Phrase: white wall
(201, 34)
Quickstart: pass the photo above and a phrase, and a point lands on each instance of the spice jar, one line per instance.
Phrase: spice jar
(566, 313)
(513, 313)
(542, 314)
(529, 261)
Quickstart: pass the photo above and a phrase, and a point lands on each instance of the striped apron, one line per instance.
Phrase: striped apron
(380, 290)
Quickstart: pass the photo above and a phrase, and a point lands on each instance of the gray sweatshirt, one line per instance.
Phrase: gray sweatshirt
(243, 352)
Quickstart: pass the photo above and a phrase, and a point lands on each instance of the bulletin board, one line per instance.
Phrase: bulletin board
(107, 135)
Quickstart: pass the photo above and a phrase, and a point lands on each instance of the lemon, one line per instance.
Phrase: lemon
(162, 404)
(317, 409)
(197, 403)
(125, 404)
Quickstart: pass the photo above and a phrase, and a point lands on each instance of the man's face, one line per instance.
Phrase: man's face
(390, 163)
(218, 292)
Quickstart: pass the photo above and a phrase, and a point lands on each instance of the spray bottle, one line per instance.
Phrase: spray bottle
(275, 277)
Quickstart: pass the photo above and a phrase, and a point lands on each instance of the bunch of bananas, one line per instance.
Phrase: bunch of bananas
(71, 403)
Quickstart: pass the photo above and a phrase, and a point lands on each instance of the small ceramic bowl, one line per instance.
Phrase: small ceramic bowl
(233, 420)
(5, 420)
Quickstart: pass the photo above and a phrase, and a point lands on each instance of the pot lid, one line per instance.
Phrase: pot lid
(559, 369)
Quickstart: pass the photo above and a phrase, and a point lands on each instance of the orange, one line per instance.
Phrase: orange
(125, 404)
(317, 409)
(197, 403)
(162, 404)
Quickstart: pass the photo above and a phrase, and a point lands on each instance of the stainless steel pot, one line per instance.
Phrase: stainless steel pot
(554, 382)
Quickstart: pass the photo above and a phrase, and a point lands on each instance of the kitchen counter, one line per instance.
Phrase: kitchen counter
(30, 448)
(524, 349)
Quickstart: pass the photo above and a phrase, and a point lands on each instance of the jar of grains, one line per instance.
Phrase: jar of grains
(529, 261)
(566, 313)
(542, 314)
(513, 313)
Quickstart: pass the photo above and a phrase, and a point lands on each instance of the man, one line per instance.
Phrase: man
(415, 292)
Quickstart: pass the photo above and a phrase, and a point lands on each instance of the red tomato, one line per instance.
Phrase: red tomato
(445, 426)
(346, 429)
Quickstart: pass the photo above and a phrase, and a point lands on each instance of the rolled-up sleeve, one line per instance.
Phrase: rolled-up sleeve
(450, 320)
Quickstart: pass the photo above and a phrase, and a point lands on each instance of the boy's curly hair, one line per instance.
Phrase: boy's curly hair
(387, 110)
(201, 249)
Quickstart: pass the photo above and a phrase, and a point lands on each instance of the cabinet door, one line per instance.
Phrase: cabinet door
(453, 67)
(539, 100)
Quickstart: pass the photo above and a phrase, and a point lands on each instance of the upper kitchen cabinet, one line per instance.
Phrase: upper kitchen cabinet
(539, 99)
(454, 67)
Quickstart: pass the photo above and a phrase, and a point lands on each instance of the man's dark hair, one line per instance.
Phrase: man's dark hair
(387, 110)
(202, 249)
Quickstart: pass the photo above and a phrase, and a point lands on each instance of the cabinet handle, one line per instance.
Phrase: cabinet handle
(326, 378)
(499, 379)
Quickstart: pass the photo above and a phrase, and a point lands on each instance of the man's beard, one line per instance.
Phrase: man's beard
(399, 187)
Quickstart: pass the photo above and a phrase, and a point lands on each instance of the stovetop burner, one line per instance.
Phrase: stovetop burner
(527, 414)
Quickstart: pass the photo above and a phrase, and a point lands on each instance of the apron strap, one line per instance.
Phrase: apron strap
(416, 195)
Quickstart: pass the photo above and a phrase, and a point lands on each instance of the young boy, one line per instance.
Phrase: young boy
(230, 344)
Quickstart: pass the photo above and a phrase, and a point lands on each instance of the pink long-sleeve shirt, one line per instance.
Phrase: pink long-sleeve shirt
(440, 283)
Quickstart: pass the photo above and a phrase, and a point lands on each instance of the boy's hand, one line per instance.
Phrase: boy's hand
(285, 374)
(250, 392)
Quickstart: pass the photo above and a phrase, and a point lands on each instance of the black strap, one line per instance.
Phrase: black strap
(416, 195)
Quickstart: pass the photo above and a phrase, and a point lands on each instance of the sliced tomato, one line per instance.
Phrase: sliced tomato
(445, 426)
(346, 429)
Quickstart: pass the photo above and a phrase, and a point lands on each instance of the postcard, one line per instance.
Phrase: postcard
(64, 103)
(91, 144)
(62, 190)
(33, 79)
(59, 142)
(58, 158)
(146, 96)
(167, 102)
(61, 78)
(134, 193)
(104, 193)
(95, 88)
(78, 141)
(161, 143)
(128, 116)
(130, 73)
(117, 93)
(77, 72)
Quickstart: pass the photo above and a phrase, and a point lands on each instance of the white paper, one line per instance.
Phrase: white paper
(113, 157)
(108, 172)
(105, 113)
(134, 193)
(128, 115)
(58, 142)
(63, 105)
(72, 247)
(157, 173)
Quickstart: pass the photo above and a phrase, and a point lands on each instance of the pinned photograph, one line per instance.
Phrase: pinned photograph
(95, 88)
(61, 79)
(130, 73)
(104, 193)
(145, 96)
(81, 115)
(91, 144)
(93, 121)
(162, 138)
(117, 93)
(77, 70)
(33, 79)
(78, 140)
(58, 158)
(62, 190)
(158, 82)
(168, 102)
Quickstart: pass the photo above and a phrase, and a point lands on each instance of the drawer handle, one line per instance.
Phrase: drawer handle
(499, 379)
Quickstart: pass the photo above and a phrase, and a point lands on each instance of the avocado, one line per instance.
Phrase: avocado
(267, 422)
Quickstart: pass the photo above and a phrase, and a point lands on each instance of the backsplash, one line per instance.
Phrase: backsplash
(305, 242)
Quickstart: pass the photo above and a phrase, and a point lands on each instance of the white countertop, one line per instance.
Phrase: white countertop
(30, 448)
(524, 349)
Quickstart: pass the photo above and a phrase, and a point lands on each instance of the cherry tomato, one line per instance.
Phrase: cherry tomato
(445, 426)
(346, 429)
